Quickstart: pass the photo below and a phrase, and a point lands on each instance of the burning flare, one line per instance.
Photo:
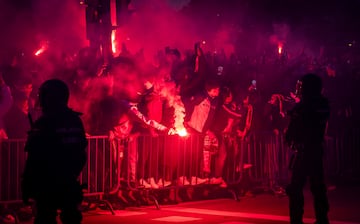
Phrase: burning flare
(42, 49)
(280, 48)
(182, 133)
(171, 93)
(113, 42)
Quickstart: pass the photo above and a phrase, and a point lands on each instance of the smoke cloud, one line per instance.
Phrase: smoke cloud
(25, 24)
(153, 25)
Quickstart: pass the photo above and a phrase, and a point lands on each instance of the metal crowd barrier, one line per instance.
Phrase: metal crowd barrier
(96, 178)
(159, 163)
(12, 161)
(122, 169)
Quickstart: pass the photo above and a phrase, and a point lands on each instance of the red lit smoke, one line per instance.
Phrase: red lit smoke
(25, 24)
(152, 25)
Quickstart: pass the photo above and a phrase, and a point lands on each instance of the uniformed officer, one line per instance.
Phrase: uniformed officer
(306, 135)
(56, 156)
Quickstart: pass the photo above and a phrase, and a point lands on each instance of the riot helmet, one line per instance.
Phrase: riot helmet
(53, 95)
(311, 86)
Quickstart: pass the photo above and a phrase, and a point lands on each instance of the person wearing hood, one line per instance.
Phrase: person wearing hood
(56, 147)
(305, 135)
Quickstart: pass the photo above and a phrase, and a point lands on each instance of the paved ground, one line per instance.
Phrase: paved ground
(263, 208)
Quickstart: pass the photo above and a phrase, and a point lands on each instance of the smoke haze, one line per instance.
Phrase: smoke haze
(25, 24)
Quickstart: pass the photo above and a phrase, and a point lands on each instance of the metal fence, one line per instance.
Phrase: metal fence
(151, 165)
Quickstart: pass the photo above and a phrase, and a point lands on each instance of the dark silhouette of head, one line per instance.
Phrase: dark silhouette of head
(311, 86)
(53, 96)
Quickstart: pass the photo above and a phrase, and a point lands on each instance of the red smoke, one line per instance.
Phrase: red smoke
(153, 25)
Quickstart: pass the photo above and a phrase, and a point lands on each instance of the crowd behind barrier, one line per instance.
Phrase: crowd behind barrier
(153, 166)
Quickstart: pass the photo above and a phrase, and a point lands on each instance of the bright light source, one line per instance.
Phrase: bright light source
(113, 42)
(203, 42)
(38, 52)
(280, 49)
(182, 132)
(44, 46)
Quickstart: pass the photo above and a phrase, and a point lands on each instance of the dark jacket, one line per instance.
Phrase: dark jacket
(56, 153)
(308, 122)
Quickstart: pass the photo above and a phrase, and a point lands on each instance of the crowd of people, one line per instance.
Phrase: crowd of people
(218, 99)
(268, 81)
(207, 93)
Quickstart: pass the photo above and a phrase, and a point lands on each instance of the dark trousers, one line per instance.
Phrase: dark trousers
(148, 154)
(46, 213)
(227, 146)
(191, 156)
(66, 198)
(311, 166)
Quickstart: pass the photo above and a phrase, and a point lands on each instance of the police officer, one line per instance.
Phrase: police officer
(56, 156)
(305, 134)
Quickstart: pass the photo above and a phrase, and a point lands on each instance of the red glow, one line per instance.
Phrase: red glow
(41, 50)
(148, 32)
(113, 42)
(113, 12)
(38, 52)
(114, 24)
(182, 132)
(44, 46)
(280, 48)
(169, 91)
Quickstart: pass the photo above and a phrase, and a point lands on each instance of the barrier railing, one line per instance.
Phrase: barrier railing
(96, 177)
(152, 164)
(174, 162)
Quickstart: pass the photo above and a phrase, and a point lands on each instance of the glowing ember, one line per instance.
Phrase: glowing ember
(280, 48)
(113, 24)
(40, 51)
(113, 42)
(44, 46)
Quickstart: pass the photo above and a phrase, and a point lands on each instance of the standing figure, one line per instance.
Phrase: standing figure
(226, 116)
(305, 135)
(245, 126)
(198, 122)
(123, 141)
(56, 156)
(6, 101)
(275, 122)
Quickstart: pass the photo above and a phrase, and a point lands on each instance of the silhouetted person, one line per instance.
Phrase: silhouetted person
(15, 120)
(56, 156)
(306, 135)
(6, 101)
